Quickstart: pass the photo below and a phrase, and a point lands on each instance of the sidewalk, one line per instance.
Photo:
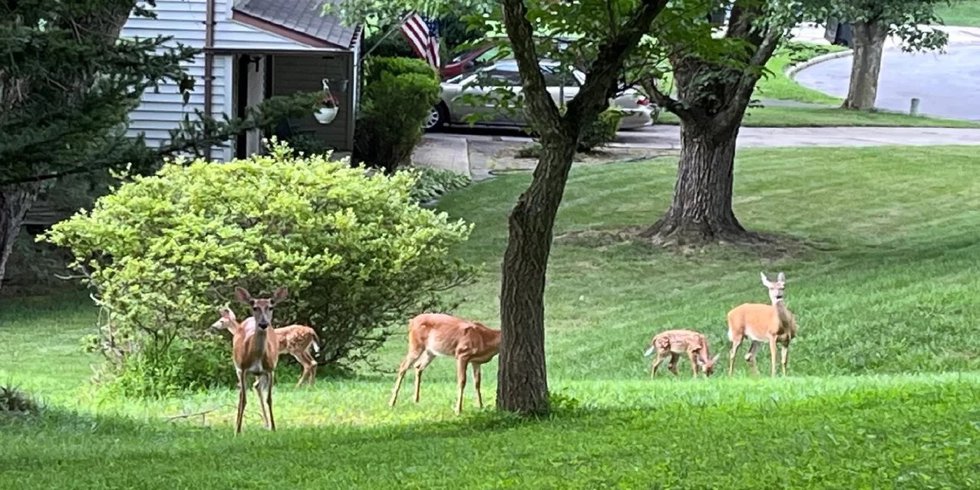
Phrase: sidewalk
(479, 155)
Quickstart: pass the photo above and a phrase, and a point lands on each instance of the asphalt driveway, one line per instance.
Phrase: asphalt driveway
(947, 85)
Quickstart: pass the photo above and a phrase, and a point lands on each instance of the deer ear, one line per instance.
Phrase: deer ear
(715, 359)
(765, 280)
(242, 295)
(781, 277)
(280, 295)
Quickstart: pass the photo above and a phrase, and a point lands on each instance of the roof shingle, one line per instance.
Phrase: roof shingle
(303, 16)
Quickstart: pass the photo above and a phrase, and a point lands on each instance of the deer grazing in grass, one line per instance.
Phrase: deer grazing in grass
(256, 352)
(673, 343)
(294, 339)
(437, 334)
(772, 323)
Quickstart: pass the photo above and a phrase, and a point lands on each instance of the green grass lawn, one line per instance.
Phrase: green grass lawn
(777, 85)
(964, 13)
(883, 391)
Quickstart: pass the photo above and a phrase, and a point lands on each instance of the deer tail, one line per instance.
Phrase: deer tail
(649, 352)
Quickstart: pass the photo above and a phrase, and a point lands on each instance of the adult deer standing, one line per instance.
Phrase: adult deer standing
(256, 351)
(437, 334)
(762, 323)
(294, 339)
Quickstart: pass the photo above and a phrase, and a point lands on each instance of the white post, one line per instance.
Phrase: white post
(914, 107)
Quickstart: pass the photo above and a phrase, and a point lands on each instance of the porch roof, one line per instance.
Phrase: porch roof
(300, 20)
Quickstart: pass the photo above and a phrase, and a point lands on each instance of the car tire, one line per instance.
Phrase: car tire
(437, 118)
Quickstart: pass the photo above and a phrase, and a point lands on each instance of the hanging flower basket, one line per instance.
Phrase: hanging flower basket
(325, 110)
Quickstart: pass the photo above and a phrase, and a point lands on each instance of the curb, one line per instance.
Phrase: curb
(793, 70)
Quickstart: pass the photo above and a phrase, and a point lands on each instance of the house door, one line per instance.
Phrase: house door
(250, 88)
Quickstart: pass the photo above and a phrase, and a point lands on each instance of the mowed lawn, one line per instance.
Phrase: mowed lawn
(884, 386)
(960, 13)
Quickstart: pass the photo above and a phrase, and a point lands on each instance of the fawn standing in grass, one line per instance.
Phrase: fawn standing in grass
(437, 334)
(673, 343)
(762, 323)
(256, 351)
(294, 339)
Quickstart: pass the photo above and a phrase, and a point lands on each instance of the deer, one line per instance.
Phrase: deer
(772, 323)
(255, 350)
(438, 334)
(673, 343)
(294, 339)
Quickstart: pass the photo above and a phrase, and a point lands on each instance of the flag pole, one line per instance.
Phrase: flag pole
(389, 33)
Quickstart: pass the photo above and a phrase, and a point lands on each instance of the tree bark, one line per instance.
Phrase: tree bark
(15, 201)
(522, 381)
(701, 210)
(869, 42)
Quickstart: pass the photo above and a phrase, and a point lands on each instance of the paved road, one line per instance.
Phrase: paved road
(948, 85)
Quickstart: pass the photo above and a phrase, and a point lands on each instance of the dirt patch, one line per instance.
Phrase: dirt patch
(766, 246)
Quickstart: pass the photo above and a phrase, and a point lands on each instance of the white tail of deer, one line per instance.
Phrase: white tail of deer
(772, 323)
(437, 334)
(256, 352)
(294, 339)
(673, 343)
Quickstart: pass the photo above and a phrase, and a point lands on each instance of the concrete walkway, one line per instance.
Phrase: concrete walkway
(473, 154)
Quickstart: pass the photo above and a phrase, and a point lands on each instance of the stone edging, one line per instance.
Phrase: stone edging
(793, 70)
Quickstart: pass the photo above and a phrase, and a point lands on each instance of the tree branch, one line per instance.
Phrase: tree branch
(603, 72)
(750, 75)
(540, 108)
(671, 104)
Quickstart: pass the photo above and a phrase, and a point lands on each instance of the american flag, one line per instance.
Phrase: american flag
(423, 36)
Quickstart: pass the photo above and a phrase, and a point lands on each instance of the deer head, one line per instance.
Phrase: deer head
(261, 307)
(708, 366)
(226, 321)
(775, 287)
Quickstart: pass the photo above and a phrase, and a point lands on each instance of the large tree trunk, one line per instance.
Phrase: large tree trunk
(701, 210)
(869, 42)
(15, 201)
(522, 381)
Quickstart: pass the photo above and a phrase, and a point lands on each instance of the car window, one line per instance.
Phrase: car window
(496, 77)
(553, 77)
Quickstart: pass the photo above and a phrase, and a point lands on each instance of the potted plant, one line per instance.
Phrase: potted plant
(325, 109)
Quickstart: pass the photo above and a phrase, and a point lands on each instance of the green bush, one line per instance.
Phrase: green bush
(431, 183)
(398, 95)
(163, 252)
(601, 131)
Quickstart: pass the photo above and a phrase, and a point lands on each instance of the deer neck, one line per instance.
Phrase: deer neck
(256, 342)
(784, 315)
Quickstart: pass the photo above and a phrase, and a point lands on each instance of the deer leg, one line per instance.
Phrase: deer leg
(420, 366)
(461, 382)
(693, 356)
(657, 362)
(402, 369)
(311, 378)
(750, 357)
(302, 364)
(772, 355)
(672, 366)
(242, 378)
(257, 386)
(736, 342)
(785, 357)
(267, 384)
(477, 377)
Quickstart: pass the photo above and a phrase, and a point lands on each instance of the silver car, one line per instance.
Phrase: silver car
(456, 105)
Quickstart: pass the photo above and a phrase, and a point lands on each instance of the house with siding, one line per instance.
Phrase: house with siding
(251, 50)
